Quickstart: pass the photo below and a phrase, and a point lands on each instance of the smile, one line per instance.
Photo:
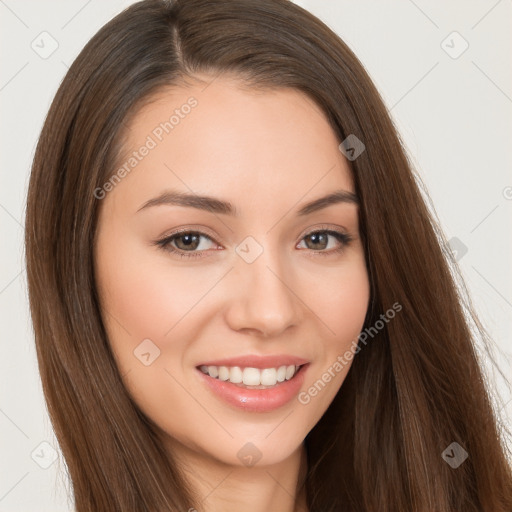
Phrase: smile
(253, 389)
(251, 378)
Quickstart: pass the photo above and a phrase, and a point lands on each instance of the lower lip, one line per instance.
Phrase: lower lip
(256, 400)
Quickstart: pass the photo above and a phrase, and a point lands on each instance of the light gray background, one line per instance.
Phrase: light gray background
(453, 113)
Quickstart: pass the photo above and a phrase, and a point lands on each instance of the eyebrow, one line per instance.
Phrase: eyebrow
(214, 205)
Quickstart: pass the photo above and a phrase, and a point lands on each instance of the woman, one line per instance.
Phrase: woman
(239, 296)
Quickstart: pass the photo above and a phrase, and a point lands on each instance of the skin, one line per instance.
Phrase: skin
(268, 153)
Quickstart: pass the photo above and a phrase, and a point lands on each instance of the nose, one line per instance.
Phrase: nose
(264, 302)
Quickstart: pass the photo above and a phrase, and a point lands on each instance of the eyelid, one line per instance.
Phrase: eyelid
(200, 230)
(323, 227)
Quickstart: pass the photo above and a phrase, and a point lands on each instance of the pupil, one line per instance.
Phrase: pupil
(315, 238)
(188, 240)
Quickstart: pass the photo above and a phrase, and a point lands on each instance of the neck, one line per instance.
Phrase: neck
(226, 488)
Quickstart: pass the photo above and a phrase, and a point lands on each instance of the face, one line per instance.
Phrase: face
(251, 285)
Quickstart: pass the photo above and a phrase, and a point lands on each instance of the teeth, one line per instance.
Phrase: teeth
(235, 375)
(213, 371)
(223, 373)
(251, 376)
(290, 372)
(268, 376)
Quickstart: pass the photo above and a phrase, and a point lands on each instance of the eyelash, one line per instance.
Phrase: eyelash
(165, 242)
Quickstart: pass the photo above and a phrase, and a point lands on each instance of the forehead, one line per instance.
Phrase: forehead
(221, 137)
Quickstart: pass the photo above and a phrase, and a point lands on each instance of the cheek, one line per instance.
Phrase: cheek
(341, 303)
(145, 294)
(341, 307)
(145, 298)
(349, 306)
(148, 310)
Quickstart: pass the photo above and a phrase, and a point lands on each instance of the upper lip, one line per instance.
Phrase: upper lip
(254, 361)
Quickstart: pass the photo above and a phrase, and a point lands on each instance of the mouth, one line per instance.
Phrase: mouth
(258, 388)
(250, 377)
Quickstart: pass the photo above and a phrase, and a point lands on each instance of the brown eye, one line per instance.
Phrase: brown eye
(185, 244)
(190, 241)
(319, 241)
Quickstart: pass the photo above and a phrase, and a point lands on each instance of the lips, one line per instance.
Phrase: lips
(233, 380)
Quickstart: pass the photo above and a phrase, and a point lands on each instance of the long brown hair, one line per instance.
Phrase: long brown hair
(414, 389)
